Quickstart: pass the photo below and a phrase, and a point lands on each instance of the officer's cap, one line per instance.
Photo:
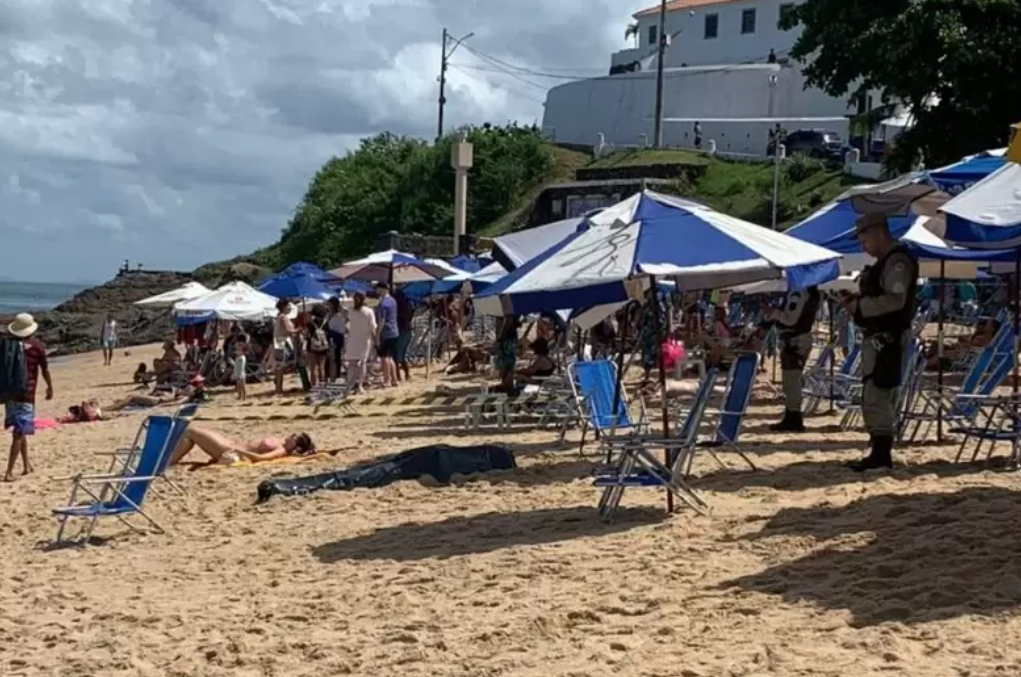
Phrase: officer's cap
(868, 221)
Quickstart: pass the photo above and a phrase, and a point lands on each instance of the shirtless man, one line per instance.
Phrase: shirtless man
(225, 450)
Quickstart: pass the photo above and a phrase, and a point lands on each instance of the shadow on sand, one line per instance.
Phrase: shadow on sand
(484, 533)
(934, 556)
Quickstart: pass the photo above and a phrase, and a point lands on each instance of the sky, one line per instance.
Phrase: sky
(178, 132)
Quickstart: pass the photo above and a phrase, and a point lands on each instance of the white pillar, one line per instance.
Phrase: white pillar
(461, 159)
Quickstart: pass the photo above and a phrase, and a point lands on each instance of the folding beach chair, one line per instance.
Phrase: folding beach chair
(122, 461)
(593, 384)
(727, 420)
(911, 373)
(122, 495)
(961, 408)
(822, 387)
(638, 466)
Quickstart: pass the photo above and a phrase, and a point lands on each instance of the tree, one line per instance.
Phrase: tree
(953, 63)
(397, 183)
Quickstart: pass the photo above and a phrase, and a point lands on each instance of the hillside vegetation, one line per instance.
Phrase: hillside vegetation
(397, 183)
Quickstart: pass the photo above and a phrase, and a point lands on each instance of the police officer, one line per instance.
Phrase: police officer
(794, 322)
(884, 310)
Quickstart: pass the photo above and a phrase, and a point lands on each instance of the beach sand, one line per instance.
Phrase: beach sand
(804, 568)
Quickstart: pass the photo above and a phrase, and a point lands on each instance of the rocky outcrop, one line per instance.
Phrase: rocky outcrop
(74, 326)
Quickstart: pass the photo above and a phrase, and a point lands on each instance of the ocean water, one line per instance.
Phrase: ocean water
(21, 297)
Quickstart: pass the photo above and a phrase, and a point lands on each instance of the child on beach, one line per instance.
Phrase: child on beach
(241, 366)
(20, 410)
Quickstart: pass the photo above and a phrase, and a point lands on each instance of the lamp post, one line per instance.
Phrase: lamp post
(658, 136)
(462, 157)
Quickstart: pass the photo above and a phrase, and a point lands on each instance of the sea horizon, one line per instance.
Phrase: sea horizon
(26, 297)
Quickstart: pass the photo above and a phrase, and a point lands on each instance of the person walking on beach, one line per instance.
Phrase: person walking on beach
(386, 322)
(240, 349)
(884, 309)
(338, 332)
(19, 413)
(795, 321)
(283, 339)
(108, 339)
(405, 314)
(361, 335)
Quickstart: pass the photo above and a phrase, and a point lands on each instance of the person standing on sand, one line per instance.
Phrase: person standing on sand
(108, 339)
(19, 413)
(361, 335)
(405, 315)
(284, 338)
(386, 346)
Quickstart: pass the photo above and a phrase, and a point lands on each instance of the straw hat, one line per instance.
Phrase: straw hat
(24, 325)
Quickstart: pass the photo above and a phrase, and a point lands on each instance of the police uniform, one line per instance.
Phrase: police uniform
(884, 311)
(795, 322)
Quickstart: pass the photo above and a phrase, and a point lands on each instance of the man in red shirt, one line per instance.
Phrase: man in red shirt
(20, 410)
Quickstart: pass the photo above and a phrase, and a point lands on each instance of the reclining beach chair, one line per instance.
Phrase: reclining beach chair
(122, 461)
(638, 466)
(727, 420)
(122, 495)
(961, 408)
(823, 388)
(593, 384)
(912, 369)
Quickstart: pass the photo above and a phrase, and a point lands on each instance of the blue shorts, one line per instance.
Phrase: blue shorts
(20, 418)
(109, 344)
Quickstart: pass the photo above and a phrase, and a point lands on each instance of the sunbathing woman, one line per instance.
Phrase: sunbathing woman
(224, 450)
(193, 393)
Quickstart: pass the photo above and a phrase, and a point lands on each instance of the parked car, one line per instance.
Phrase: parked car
(817, 143)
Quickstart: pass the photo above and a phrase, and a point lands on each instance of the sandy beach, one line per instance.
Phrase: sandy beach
(804, 568)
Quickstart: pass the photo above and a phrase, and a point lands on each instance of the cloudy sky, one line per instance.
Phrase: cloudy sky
(175, 132)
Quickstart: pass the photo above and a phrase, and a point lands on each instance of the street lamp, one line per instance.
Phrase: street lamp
(445, 55)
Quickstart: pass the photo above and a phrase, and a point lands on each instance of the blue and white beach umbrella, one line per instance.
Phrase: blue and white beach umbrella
(956, 178)
(987, 215)
(610, 257)
(392, 267)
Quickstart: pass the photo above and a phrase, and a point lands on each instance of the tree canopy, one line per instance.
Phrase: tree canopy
(953, 63)
(398, 183)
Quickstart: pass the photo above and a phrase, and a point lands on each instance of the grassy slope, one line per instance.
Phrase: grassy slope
(740, 189)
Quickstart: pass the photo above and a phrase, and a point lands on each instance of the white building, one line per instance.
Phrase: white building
(718, 71)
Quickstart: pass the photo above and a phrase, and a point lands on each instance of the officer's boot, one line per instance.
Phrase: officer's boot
(880, 455)
(792, 422)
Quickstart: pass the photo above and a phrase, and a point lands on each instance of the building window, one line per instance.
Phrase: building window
(785, 10)
(653, 34)
(712, 26)
(747, 22)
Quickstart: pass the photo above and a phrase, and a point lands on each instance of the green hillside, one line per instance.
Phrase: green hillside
(394, 183)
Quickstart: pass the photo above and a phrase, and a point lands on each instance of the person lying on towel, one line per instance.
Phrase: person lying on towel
(195, 392)
(222, 449)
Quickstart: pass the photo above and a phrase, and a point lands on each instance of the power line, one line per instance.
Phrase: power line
(505, 86)
(530, 71)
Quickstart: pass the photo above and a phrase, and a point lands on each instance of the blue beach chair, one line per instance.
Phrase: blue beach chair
(593, 383)
(638, 466)
(121, 495)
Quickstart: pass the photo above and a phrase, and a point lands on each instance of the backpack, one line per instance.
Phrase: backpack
(317, 340)
(13, 369)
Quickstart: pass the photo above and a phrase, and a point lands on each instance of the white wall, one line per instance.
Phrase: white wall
(691, 47)
(621, 107)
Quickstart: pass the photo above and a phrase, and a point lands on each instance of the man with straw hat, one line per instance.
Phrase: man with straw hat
(884, 310)
(19, 413)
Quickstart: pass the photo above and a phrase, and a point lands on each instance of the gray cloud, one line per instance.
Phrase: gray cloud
(176, 132)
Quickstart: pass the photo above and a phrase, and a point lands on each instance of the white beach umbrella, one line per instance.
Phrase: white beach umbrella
(235, 301)
(186, 292)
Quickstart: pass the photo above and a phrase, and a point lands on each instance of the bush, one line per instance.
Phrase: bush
(800, 167)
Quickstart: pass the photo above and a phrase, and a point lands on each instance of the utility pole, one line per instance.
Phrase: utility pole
(444, 63)
(658, 136)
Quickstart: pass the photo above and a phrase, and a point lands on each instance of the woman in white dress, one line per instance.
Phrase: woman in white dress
(361, 337)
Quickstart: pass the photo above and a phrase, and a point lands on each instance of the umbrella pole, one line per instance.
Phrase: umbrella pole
(939, 352)
(661, 363)
(1014, 456)
(619, 385)
(833, 344)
